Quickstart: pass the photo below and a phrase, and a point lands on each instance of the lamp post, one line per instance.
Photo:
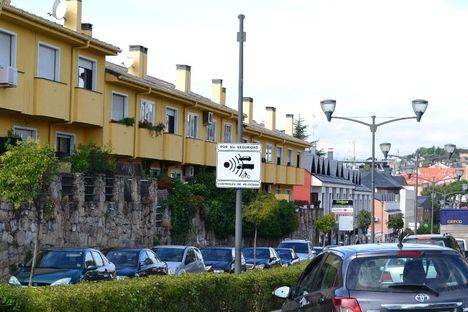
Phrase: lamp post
(328, 107)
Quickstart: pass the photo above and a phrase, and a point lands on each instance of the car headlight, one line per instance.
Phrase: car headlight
(218, 271)
(120, 277)
(259, 266)
(14, 281)
(62, 281)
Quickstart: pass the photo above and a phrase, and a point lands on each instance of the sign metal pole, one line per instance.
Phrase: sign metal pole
(240, 131)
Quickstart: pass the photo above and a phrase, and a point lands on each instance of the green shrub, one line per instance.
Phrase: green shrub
(251, 291)
(127, 121)
(91, 159)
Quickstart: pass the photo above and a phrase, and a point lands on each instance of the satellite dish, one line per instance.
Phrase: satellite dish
(128, 60)
(59, 9)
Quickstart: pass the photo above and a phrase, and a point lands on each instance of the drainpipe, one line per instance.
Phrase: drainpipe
(73, 75)
(137, 119)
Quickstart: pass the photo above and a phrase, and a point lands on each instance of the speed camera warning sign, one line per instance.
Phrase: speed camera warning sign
(238, 165)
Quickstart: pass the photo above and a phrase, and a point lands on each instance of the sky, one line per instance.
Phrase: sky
(372, 56)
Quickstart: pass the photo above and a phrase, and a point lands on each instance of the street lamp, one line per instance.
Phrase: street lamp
(328, 107)
(385, 148)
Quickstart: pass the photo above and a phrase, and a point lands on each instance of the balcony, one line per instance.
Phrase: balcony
(89, 107)
(291, 175)
(172, 150)
(269, 173)
(51, 99)
(194, 151)
(121, 139)
(15, 99)
(150, 145)
(281, 177)
(210, 154)
(299, 176)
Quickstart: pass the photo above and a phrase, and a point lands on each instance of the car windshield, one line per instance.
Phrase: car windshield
(426, 241)
(217, 254)
(284, 253)
(170, 254)
(438, 272)
(260, 253)
(298, 247)
(123, 258)
(59, 260)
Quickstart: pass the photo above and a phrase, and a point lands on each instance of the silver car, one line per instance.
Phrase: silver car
(181, 259)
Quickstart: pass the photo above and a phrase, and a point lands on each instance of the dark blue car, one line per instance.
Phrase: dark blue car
(385, 277)
(62, 266)
(221, 259)
(288, 256)
(265, 258)
(135, 262)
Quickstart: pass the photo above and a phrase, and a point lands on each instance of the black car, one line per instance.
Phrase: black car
(358, 279)
(62, 266)
(288, 256)
(265, 258)
(134, 262)
(221, 259)
(445, 240)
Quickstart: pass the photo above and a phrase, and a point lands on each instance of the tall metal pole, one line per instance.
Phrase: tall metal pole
(240, 133)
(432, 205)
(416, 188)
(373, 130)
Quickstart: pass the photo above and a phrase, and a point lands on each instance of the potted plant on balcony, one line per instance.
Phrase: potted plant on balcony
(127, 121)
(155, 130)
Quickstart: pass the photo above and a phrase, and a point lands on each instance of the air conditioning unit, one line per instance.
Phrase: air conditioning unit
(208, 118)
(189, 171)
(8, 76)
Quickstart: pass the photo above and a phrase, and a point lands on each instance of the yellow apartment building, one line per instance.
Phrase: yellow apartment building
(56, 87)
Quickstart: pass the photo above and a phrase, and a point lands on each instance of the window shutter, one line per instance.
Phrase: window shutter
(5, 49)
(47, 62)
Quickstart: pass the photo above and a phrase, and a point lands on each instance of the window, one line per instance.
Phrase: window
(192, 126)
(89, 261)
(289, 157)
(298, 160)
(147, 111)
(119, 106)
(48, 62)
(25, 133)
(171, 120)
(7, 49)
(97, 259)
(190, 256)
(65, 144)
(279, 154)
(266, 187)
(328, 276)
(268, 153)
(227, 133)
(211, 131)
(86, 74)
(288, 191)
(278, 189)
(306, 284)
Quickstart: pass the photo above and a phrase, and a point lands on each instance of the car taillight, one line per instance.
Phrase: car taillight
(410, 253)
(386, 277)
(346, 305)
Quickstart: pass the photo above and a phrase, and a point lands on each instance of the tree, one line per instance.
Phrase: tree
(26, 169)
(364, 219)
(396, 222)
(300, 128)
(325, 224)
(405, 233)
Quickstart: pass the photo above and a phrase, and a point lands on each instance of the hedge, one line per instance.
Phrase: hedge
(251, 291)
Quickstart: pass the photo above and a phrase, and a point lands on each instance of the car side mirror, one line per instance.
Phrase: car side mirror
(282, 292)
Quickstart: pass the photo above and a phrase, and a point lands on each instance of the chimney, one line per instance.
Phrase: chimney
(223, 96)
(330, 154)
(270, 118)
(140, 61)
(73, 15)
(247, 104)
(289, 124)
(87, 29)
(183, 78)
(217, 90)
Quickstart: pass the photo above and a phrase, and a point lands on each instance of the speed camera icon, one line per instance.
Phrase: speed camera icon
(239, 166)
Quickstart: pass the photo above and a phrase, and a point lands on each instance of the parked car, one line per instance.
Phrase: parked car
(445, 240)
(134, 262)
(62, 266)
(265, 258)
(221, 259)
(351, 278)
(181, 259)
(318, 249)
(303, 248)
(288, 256)
(463, 246)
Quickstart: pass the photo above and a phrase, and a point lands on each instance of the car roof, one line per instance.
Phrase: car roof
(76, 249)
(215, 247)
(426, 236)
(173, 246)
(127, 249)
(383, 248)
(288, 249)
(256, 248)
(295, 241)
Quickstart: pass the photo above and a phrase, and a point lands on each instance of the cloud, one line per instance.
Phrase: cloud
(372, 56)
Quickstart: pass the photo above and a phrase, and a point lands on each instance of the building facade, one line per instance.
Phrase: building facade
(58, 88)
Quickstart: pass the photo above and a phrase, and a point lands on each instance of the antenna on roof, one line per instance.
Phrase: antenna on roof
(128, 60)
(59, 9)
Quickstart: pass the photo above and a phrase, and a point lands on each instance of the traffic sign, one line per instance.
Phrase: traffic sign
(238, 165)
